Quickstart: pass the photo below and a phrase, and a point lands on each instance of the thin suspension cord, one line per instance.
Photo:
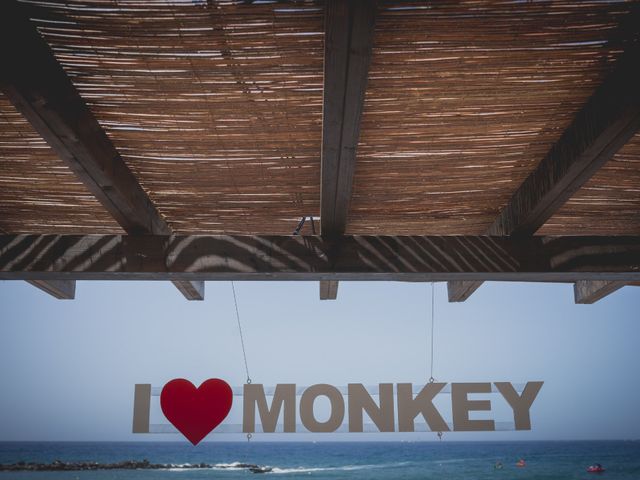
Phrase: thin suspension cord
(431, 379)
(244, 353)
(433, 321)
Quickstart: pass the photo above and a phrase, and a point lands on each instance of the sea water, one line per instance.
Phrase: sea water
(331, 460)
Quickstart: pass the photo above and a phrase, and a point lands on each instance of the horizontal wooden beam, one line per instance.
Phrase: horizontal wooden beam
(588, 292)
(349, 26)
(38, 87)
(417, 258)
(60, 289)
(328, 290)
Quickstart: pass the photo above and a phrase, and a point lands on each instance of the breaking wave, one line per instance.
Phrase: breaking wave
(266, 469)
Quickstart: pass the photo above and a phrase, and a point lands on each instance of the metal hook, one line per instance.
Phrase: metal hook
(301, 224)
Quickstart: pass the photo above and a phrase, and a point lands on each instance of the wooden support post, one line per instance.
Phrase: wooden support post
(590, 291)
(33, 80)
(328, 290)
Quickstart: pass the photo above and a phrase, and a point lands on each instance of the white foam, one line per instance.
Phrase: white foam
(235, 466)
(344, 468)
(227, 465)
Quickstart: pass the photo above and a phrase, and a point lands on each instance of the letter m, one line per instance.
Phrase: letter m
(284, 399)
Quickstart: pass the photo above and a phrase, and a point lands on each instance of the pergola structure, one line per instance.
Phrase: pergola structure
(184, 140)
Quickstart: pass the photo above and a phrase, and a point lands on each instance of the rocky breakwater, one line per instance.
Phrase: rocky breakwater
(59, 466)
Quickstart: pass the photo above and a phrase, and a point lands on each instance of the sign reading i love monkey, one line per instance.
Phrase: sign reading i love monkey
(195, 412)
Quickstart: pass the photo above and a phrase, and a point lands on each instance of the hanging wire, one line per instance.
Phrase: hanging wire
(431, 379)
(433, 321)
(244, 352)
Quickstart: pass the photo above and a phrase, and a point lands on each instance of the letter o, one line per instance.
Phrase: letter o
(337, 408)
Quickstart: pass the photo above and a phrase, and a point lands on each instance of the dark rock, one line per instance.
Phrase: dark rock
(59, 465)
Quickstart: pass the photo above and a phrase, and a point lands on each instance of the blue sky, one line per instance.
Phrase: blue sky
(69, 367)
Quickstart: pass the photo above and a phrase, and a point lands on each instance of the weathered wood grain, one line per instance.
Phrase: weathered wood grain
(432, 258)
(60, 289)
(328, 290)
(460, 291)
(590, 291)
(190, 290)
(349, 27)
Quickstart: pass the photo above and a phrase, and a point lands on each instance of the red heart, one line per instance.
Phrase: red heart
(196, 411)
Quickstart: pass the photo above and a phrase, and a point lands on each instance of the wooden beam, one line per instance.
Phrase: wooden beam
(606, 122)
(591, 291)
(432, 258)
(349, 27)
(190, 290)
(60, 289)
(461, 290)
(328, 290)
(38, 87)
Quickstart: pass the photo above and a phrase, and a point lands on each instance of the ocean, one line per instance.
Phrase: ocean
(332, 460)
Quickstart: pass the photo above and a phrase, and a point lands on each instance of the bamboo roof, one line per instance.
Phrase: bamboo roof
(463, 101)
(217, 109)
(38, 191)
(609, 204)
